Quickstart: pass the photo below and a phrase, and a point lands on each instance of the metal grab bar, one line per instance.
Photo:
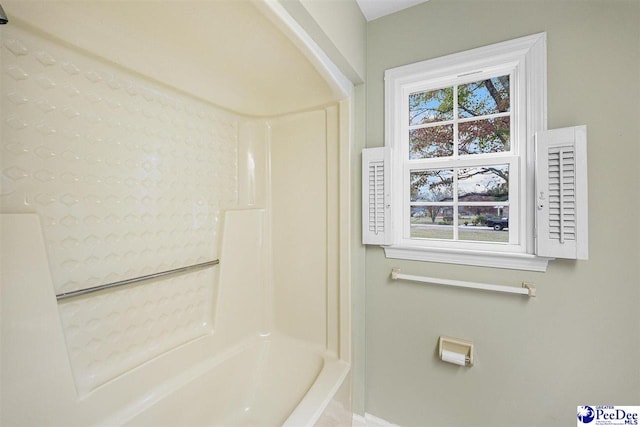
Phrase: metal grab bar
(77, 293)
(526, 289)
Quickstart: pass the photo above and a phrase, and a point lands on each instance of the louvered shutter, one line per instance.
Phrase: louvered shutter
(561, 193)
(376, 212)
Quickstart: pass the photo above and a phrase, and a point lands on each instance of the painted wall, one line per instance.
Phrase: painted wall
(578, 342)
(339, 28)
(358, 257)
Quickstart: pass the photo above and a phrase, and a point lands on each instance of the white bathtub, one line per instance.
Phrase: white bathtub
(266, 381)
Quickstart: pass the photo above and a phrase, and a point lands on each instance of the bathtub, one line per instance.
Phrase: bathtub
(267, 381)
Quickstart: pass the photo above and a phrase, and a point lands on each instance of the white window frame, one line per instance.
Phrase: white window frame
(525, 60)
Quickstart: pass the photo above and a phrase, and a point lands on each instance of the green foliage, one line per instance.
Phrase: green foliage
(475, 99)
(436, 140)
(479, 220)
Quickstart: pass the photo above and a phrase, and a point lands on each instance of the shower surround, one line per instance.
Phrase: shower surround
(110, 174)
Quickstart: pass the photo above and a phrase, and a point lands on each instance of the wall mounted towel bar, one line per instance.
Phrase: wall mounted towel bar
(77, 293)
(527, 288)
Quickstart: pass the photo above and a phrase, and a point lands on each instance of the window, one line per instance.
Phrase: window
(460, 138)
(458, 158)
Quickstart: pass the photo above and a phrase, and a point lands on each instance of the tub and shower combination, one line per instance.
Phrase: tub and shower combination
(144, 137)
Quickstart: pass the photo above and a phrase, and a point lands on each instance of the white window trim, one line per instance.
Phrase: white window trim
(528, 55)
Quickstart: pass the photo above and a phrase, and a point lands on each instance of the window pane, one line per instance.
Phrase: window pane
(432, 185)
(432, 106)
(483, 223)
(436, 141)
(432, 222)
(484, 136)
(484, 97)
(489, 183)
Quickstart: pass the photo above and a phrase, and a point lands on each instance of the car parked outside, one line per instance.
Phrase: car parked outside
(498, 223)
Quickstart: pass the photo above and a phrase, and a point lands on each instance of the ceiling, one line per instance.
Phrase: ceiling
(374, 9)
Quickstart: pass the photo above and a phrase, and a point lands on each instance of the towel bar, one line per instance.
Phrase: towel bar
(86, 291)
(527, 288)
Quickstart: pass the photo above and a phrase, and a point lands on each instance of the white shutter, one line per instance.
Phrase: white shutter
(376, 196)
(561, 193)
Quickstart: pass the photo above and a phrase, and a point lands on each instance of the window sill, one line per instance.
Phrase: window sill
(513, 261)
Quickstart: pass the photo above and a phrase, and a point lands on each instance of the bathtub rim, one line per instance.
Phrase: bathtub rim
(322, 391)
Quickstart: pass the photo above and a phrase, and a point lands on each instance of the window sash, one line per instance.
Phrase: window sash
(513, 203)
(514, 110)
(458, 160)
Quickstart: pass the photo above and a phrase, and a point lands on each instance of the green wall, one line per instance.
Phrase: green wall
(578, 342)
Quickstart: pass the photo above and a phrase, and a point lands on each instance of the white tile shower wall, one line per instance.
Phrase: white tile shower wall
(128, 178)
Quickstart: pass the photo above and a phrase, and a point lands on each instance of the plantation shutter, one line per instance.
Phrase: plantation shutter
(561, 193)
(376, 218)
